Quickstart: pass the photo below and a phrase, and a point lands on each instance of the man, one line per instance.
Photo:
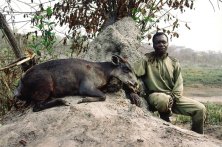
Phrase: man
(164, 84)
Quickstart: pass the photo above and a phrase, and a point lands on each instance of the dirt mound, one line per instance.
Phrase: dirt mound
(114, 122)
(121, 38)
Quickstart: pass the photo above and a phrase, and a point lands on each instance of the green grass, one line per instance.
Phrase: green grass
(182, 119)
(214, 115)
(200, 75)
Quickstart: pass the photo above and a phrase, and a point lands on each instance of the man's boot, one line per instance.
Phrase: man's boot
(197, 128)
(165, 116)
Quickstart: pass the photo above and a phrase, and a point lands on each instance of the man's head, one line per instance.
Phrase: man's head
(160, 43)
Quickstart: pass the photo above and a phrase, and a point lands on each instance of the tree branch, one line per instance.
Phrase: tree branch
(212, 5)
(218, 4)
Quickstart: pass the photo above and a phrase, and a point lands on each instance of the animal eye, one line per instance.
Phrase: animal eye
(126, 70)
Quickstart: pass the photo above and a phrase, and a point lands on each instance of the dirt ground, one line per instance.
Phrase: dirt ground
(205, 94)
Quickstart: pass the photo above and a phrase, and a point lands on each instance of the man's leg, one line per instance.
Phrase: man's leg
(193, 108)
(162, 103)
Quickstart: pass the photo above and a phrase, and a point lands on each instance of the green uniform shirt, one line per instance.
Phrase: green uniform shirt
(160, 74)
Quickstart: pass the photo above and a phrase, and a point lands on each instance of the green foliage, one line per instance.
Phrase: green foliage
(91, 16)
(86, 18)
(214, 114)
(205, 76)
(182, 119)
(141, 17)
(8, 80)
(45, 26)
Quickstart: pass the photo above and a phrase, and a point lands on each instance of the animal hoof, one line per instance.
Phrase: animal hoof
(80, 101)
(67, 104)
(35, 109)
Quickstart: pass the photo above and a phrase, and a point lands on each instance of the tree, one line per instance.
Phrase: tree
(94, 15)
(86, 18)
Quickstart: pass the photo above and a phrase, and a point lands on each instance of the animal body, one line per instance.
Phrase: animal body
(45, 82)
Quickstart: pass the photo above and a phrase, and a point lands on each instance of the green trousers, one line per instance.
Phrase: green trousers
(184, 106)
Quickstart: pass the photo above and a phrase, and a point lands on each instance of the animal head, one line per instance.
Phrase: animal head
(124, 71)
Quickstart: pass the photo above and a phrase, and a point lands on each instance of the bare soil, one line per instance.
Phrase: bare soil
(205, 94)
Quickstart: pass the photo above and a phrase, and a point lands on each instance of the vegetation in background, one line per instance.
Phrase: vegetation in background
(86, 18)
(91, 16)
(205, 76)
(44, 43)
(8, 79)
(214, 114)
(191, 58)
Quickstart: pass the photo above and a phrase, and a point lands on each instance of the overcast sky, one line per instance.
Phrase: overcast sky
(205, 23)
(206, 27)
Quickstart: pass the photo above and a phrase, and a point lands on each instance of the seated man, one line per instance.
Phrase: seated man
(163, 80)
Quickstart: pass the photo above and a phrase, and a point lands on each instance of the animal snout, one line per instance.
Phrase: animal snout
(133, 84)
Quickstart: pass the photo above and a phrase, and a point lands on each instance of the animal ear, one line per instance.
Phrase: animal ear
(115, 60)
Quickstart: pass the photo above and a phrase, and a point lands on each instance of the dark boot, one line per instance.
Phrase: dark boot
(197, 128)
(165, 116)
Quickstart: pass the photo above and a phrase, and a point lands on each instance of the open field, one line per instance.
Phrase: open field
(207, 76)
(204, 84)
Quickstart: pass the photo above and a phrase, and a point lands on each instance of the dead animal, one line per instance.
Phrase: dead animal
(44, 83)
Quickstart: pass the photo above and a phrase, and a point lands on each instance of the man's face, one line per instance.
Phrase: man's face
(160, 44)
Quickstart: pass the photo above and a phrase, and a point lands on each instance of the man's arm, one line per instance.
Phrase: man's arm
(139, 67)
(177, 91)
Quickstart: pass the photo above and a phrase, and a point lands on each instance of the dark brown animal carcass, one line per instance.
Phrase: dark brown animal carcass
(58, 78)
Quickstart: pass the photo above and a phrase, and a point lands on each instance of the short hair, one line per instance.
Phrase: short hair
(159, 34)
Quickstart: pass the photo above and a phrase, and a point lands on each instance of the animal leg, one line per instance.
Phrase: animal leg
(48, 104)
(96, 95)
(91, 99)
(41, 95)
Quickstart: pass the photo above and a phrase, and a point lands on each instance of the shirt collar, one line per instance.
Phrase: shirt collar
(160, 57)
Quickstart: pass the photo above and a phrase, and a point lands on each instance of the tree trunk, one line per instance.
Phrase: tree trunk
(19, 53)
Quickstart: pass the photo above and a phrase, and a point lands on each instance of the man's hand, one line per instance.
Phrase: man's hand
(135, 99)
(171, 102)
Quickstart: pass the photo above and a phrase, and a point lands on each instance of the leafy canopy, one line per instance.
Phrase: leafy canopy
(86, 18)
(94, 15)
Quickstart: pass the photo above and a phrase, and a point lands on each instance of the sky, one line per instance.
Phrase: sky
(206, 27)
(205, 24)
